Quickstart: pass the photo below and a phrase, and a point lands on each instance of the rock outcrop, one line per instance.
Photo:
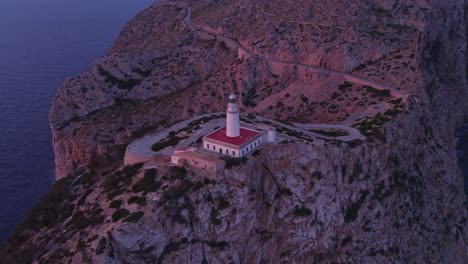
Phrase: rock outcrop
(395, 197)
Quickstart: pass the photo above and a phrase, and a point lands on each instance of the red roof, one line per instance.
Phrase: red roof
(245, 136)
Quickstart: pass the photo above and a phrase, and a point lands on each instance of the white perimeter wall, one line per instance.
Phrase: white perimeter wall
(231, 151)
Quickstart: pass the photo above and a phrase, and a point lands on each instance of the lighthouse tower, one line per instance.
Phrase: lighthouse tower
(232, 118)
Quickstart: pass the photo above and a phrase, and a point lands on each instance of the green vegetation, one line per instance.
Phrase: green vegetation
(148, 183)
(345, 86)
(116, 204)
(167, 142)
(140, 200)
(214, 217)
(101, 246)
(134, 217)
(121, 84)
(234, 162)
(119, 214)
(367, 127)
(51, 209)
(378, 93)
(353, 209)
(330, 132)
(117, 183)
(173, 137)
(303, 211)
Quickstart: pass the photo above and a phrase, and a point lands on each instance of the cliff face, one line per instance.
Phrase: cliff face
(395, 197)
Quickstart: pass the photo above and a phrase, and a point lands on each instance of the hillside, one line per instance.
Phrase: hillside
(395, 70)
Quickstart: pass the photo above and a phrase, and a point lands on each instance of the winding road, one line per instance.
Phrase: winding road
(140, 150)
(347, 76)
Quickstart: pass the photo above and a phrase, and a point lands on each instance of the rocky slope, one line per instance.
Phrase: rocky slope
(395, 197)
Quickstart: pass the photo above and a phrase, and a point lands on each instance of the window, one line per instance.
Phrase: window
(207, 146)
(233, 153)
(227, 151)
(220, 151)
(214, 147)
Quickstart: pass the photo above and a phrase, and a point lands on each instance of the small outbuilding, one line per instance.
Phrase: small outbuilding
(197, 160)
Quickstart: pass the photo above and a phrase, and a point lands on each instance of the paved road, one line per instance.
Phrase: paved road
(353, 134)
(347, 76)
(142, 147)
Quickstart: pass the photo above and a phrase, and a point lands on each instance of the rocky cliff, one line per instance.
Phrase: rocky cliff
(395, 197)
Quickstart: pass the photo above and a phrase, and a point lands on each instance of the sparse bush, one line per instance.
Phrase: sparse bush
(119, 214)
(147, 183)
(353, 210)
(141, 201)
(214, 217)
(116, 204)
(134, 217)
(233, 162)
(303, 211)
(101, 246)
(165, 143)
(223, 204)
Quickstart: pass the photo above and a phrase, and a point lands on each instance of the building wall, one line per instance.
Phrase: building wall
(225, 150)
(203, 164)
(232, 124)
(131, 159)
(252, 146)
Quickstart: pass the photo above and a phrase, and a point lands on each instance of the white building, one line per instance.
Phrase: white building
(233, 140)
(197, 160)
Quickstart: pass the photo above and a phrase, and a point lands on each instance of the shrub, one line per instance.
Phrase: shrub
(116, 204)
(233, 162)
(218, 245)
(378, 93)
(214, 217)
(119, 214)
(134, 217)
(344, 86)
(353, 210)
(49, 209)
(346, 241)
(101, 246)
(147, 183)
(223, 204)
(165, 143)
(141, 201)
(303, 211)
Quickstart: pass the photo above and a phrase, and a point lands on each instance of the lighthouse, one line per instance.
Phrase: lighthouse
(232, 117)
(233, 140)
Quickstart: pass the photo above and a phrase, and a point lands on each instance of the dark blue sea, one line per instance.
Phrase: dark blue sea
(43, 42)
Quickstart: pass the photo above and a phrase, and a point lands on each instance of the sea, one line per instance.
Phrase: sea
(43, 42)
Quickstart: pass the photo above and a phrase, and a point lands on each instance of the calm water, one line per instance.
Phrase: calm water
(43, 42)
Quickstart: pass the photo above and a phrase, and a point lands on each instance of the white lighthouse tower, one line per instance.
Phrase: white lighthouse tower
(232, 117)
